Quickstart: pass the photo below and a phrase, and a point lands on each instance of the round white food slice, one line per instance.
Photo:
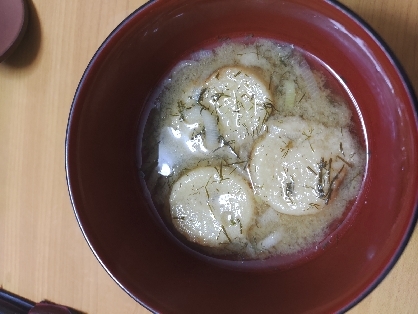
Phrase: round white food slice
(212, 206)
(297, 167)
(242, 102)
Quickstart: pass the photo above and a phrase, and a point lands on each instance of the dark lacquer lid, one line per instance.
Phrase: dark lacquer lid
(13, 22)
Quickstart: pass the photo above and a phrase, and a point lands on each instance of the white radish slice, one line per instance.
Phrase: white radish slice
(298, 166)
(212, 206)
(242, 102)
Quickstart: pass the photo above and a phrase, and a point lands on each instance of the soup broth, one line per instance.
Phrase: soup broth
(249, 153)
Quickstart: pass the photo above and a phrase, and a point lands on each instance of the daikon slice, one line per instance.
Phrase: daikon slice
(297, 167)
(242, 102)
(212, 206)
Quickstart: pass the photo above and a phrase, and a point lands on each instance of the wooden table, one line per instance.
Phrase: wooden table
(43, 254)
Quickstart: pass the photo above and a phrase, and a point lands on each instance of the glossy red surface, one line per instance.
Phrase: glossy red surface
(104, 185)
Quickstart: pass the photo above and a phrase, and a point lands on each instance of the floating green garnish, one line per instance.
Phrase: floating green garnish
(344, 161)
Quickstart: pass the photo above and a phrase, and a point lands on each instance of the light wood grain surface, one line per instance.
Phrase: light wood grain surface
(43, 254)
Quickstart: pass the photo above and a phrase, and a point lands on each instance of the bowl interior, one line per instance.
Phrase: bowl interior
(112, 209)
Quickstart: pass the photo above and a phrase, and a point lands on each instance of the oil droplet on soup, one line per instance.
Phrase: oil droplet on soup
(248, 153)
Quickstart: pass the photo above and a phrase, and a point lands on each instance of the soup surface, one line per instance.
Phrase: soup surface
(248, 152)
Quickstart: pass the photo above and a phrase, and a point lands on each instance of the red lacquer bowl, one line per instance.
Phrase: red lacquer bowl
(111, 205)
